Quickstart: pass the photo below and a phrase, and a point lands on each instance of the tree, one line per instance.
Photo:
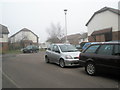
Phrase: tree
(55, 32)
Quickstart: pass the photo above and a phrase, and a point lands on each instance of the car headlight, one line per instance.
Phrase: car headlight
(68, 57)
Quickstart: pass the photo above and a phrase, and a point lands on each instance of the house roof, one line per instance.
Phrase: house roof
(24, 29)
(116, 11)
(3, 29)
(84, 35)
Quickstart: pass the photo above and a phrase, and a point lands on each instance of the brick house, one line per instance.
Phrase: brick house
(3, 38)
(23, 38)
(103, 25)
(72, 39)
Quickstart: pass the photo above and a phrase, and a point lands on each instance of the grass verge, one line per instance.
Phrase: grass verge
(11, 52)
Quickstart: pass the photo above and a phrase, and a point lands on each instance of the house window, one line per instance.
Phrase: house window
(1, 35)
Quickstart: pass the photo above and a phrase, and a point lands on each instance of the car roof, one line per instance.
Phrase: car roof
(115, 42)
(61, 44)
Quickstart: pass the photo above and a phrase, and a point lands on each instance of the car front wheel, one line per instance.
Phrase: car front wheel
(90, 68)
(62, 63)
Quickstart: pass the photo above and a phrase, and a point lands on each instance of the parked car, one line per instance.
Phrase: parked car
(30, 49)
(101, 56)
(62, 54)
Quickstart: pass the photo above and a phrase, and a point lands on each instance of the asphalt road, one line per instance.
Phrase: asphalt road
(31, 71)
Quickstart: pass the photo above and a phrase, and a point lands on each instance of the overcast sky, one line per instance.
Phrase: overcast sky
(37, 15)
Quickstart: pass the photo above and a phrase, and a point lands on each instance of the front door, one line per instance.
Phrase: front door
(105, 57)
(56, 54)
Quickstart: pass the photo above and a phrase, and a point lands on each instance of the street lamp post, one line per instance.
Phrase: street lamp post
(65, 10)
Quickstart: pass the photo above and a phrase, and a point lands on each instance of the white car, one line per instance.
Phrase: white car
(62, 54)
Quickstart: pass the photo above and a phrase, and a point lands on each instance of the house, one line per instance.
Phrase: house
(84, 37)
(23, 38)
(3, 38)
(72, 39)
(103, 25)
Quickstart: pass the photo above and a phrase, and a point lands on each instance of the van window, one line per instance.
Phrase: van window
(105, 50)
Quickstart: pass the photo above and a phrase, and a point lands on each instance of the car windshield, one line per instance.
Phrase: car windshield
(68, 48)
(86, 45)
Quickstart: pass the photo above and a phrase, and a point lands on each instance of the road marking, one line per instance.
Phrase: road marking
(13, 82)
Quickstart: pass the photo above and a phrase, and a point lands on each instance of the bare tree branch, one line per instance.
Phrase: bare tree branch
(55, 33)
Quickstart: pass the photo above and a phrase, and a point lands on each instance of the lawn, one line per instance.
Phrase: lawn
(11, 52)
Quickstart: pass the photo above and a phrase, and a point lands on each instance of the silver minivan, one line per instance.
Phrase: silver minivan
(62, 54)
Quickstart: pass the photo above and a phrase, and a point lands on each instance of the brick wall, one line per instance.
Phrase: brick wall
(4, 46)
(101, 38)
(116, 35)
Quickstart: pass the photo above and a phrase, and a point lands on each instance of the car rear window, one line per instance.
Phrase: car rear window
(92, 49)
